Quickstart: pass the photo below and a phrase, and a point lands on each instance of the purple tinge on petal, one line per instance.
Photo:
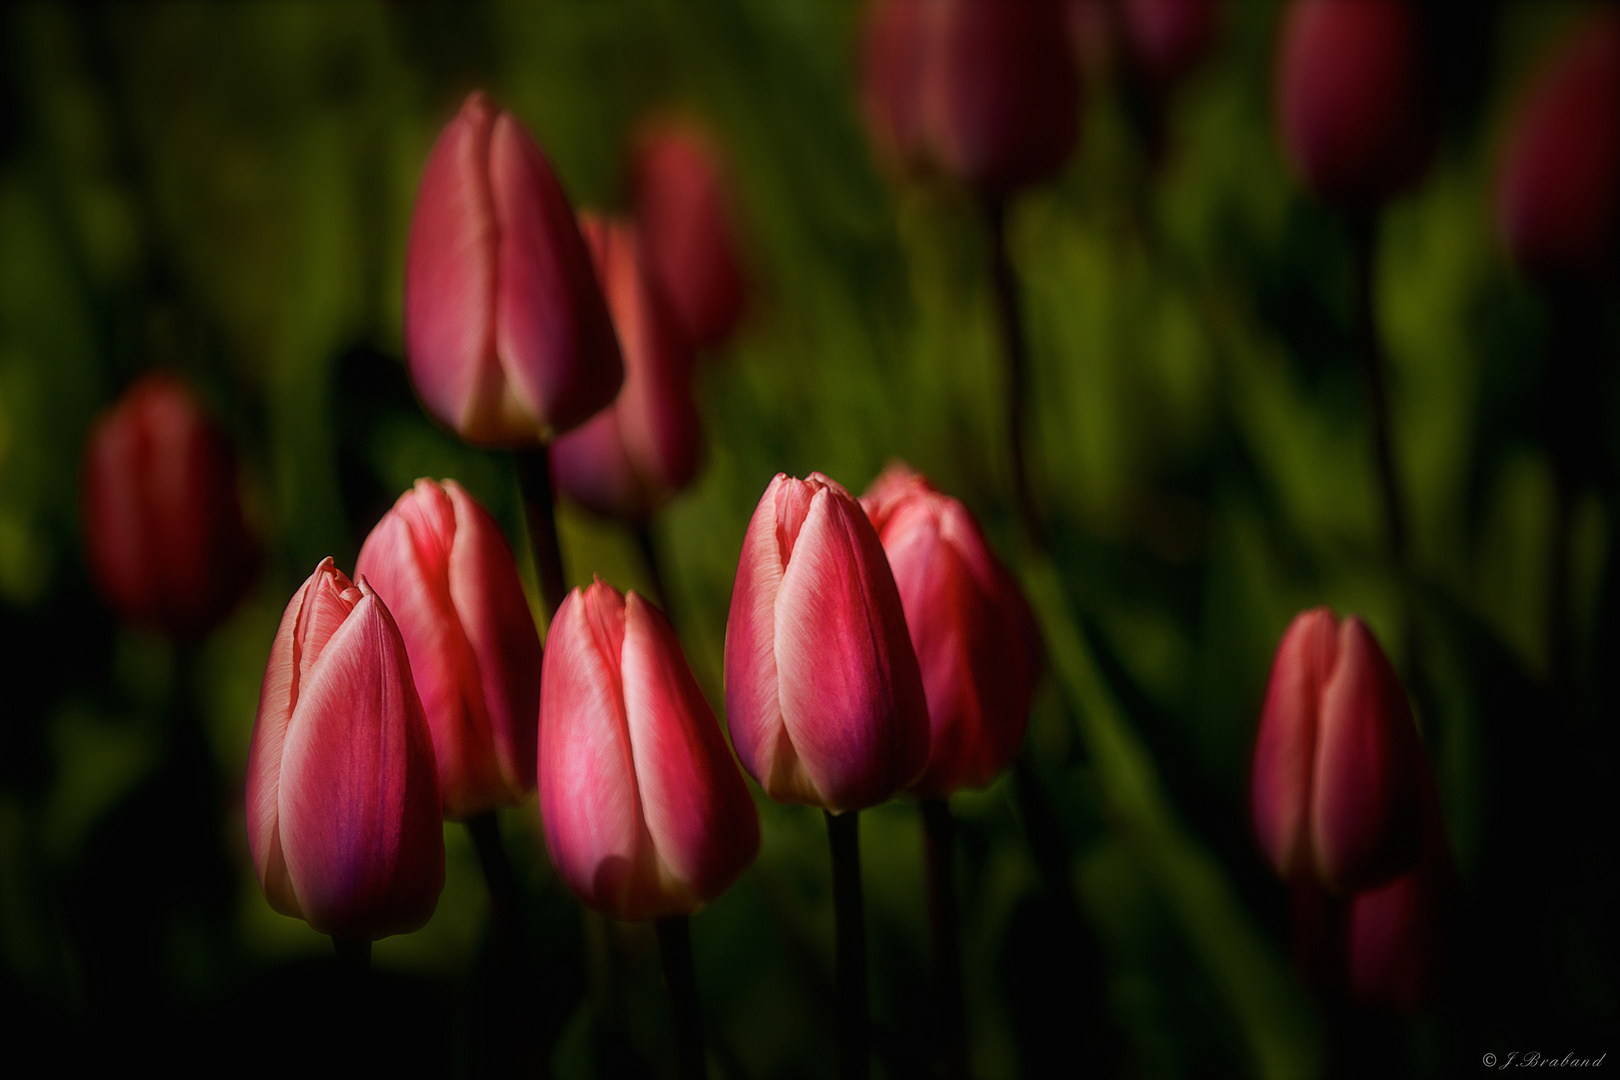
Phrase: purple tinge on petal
(698, 812)
(589, 800)
(552, 331)
(1285, 748)
(450, 281)
(359, 795)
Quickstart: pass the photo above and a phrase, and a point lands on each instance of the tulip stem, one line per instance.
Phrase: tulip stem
(1046, 840)
(1369, 349)
(506, 912)
(854, 1034)
(648, 543)
(1015, 355)
(950, 1013)
(675, 947)
(540, 510)
(353, 954)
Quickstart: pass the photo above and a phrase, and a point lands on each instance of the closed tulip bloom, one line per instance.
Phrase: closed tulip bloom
(506, 332)
(343, 807)
(893, 65)
(440, 563)
(1350, 98)
(645, 813)
(1560, 179)
(823, 695)
(685, 215)
(634, 456)
(1337, 764)
(973, 632)
(1395, 931)
(163, 524)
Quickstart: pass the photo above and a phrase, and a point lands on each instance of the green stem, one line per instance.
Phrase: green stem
(506, 912)
(539, 508)
(854, 1026)
(1015, 357)
(950, 1013)
(675, 947)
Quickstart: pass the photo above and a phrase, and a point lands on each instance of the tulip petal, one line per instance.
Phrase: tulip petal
(264, 757)
(698, 812)
(359, 801)
(1286, 747)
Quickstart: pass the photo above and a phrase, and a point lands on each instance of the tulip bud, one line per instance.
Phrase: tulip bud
(689, 242)
(1560, 179)
(645, 813)
(823, 694)
(163, 524)
(343, 809)
(507, 335)
(973, 632)
(441, 564)
(1350, 98)
(987, 88)
(1394, 934)
(1337, 764)
(631, 458)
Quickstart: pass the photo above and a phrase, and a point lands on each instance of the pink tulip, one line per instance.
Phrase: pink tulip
(684, 213)
(632, 458)
(823, 694)
(163, 524)
(507, 335)
(1560, 180)
(645, 813)
(343, 806)
(973, 632)
(440, 563)
(1395, 931)
(1350, 100)
(986, 89)
(1337, 764)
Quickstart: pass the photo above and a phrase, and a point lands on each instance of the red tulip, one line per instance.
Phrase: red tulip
(163, 524)
(1350, 99)
(1337, 764)
(1394, 934)
(684, 215)
(440, 563)
(973, 632)
(1560, 179)
(987, 88)
(645, 812)
(343, 807)
(631, 458)
(823, 694)
(1166, 39)
(507, 335)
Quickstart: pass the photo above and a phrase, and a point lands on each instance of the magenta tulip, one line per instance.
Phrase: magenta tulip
(823, 694)
(1350, 98)
(507, 335)
(893, 65)
(1395, 931)
(440, 563)
(343, 808)
(163, 526)
(1337, 764)
(645, 813)
(633, 457)
(1166, 39)
(684, 214)
(1559, 185)
(972, 630)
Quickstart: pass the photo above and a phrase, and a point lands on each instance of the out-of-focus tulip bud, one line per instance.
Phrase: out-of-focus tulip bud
(684, 213)
(1560, 179)
(508, 338)
(343, 810)
(1166, 39)
(987, 89)
(163, 524)
(631, 458)
(972, 630)
(440, 563)
(1350, 98)
(1394, 934)
(823, 694)
(1337, 764)
(645, 812)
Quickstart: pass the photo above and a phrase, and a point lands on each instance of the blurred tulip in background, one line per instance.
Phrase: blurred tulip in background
(440, 563)
(163, 525)
(645, 812)
(343, 810)
(634, 456)
(973, 632)
(823, 694)
(1338, 769)
(508, 337)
